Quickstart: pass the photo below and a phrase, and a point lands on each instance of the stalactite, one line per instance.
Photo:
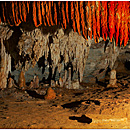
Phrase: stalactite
(34, 14)
(111, 19)
(7, 15)
(67, 11)
(82, 19)
(13, 12)
(59, 12)
(55, 13)
(28, 3)
(94, 21)
(77, 16)
(16, 12)
(39, 13)
(117, 20)
(104, 20)
(89, 20)
(63, 15)
(24, 13)
(43, 12)
(122, 24)
(72, 16)
(113, 15)
(20, 10)
(47, 14)
(125, 37)
(3, 13)
(50, 14)
(98, 19)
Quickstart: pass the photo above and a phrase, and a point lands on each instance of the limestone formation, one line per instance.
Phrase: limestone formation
(21, 80)
(113, 79)
(5, 58)
(10, 82)
(50, 94)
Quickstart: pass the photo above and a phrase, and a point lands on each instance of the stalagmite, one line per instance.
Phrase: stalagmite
(61, 82)
(21, 80)
(50, 94)
(10, 82)
(65, 77)
(69, 78)
(36, 82)
(112, 81)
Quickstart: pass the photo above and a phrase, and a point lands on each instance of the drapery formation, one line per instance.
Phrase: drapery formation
(88, 18)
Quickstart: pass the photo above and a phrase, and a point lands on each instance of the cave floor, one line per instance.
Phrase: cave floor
(95, 106)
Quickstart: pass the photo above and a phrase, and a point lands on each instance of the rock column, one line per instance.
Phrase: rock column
(5, 65)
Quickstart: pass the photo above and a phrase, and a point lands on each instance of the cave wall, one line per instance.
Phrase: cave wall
(48, 54)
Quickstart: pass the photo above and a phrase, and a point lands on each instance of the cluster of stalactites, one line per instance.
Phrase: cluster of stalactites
(89, 18)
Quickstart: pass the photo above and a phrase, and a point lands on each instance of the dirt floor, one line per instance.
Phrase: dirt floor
(95, 106)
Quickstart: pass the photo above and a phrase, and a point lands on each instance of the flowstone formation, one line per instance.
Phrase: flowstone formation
(59, 50)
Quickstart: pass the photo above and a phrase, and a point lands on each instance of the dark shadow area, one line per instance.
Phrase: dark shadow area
(34, 94)
(82, 119)
(72, 104)
(104, 84)
(127, 65)
(78, 103)
(77, 94)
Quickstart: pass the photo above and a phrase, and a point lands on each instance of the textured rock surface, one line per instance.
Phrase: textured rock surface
(101, 57)
(50, 94)
(5, 58)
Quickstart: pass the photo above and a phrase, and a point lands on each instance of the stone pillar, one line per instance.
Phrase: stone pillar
(112, 81)
(5, 65)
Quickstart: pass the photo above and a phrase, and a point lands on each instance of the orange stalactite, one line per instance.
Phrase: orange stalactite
(18, 21)
(122, 23)
(47, 14)
(72, 16)
(13, 13)
(126, 24)
(43, 13)
(94, 21)
(77, 16)
(67, 11)
(34, 14)
(117, 20)
(7, 15)
(59, 13)
(20, 13)
(63, 15)
(89, 20)
(128, 19)
(98, 19)
(3, 13)
(50, 13)
(82, 19)
(55, 13)
(104, 19)
(28, 2)
(39, 14)
(86, 19)
(111, 19)
(24, 11)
